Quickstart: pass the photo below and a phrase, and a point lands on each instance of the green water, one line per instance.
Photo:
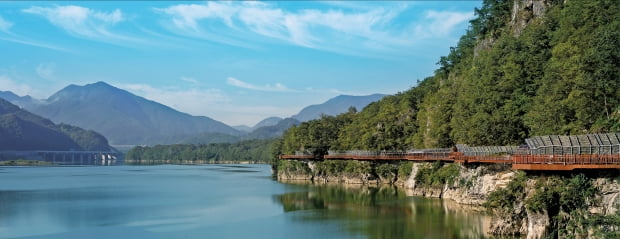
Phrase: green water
(212, 201)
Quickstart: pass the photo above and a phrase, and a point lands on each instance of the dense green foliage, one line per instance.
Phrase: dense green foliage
(87, 139)
(22, 130)
(558, 73)
(404, 170)
(566, 201)
(437, 175)
(342, 167)
(315, 136)
(251, 150)
(504, 199)
(293, 166)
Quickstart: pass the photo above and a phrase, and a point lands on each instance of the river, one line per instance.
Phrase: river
(212, 201)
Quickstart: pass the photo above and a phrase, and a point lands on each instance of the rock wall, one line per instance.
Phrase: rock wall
(472, 186)
(524, 11)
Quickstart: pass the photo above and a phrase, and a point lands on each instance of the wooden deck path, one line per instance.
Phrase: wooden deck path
(520, 162)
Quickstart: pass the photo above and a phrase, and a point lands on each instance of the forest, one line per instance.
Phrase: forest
(255, 151)
(513, 75)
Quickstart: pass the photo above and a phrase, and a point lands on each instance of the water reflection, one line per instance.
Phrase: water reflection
(382, 212)
(52, 211)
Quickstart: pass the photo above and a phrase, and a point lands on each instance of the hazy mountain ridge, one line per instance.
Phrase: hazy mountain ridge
(22, 101)
(122, 116)
(127, 119)
(272, 131)
(270, 121)
(335, 106)
(22, 130)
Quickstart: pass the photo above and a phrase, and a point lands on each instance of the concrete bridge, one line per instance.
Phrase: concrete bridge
(66, 157)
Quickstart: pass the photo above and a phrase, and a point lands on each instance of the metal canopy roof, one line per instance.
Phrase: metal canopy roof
(608, 143)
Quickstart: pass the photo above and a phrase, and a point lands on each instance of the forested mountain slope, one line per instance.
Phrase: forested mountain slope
(523, 68)
(22, 130)
(124, 117)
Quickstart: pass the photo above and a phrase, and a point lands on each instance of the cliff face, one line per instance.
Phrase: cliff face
(474, 185)
(471, 186)
(314, 172)
(524, 11)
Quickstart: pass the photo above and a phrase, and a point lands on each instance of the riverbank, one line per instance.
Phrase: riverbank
(578, 204)
(188, 162)
(23, 162)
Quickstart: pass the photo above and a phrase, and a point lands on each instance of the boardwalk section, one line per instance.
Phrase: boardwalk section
(552, 152)
(566, 162)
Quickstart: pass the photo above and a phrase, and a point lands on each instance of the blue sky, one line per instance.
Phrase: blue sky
(237, 62)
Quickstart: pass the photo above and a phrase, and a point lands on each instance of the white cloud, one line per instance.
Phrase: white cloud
(241, 84)
(5, 25)
(34, 43)
(189, 79)
(46, 71)
(320, 29)
(193, 101)
(80, 21)
(349, 28)
(185, 15)
(7, 84)
(442, 23)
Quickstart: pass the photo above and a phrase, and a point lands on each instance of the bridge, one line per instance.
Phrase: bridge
(552, 152)
(65, 157)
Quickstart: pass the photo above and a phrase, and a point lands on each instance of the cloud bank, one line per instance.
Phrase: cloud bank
(275, 88)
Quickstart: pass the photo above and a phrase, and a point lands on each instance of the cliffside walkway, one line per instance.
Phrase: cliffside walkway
(594, 151)
(521, 162)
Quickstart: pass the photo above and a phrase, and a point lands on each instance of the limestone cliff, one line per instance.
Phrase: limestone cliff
(471, 185)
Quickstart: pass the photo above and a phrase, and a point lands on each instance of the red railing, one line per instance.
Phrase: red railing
(519, 161)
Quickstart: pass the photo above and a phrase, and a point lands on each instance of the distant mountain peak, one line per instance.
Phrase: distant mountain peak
(100, 84)
(336, 105)
(22, 101)
(270, 121)
(123, 117)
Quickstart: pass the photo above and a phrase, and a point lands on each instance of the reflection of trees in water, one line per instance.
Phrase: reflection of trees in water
(382, 212)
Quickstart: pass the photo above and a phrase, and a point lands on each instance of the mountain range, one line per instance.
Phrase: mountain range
(127, 119)
(22, 130)
(335, 106)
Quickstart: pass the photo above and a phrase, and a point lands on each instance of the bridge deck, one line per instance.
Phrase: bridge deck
(293, 156)
(520, 162)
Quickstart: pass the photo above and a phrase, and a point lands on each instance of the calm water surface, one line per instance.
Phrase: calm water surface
(211, 201)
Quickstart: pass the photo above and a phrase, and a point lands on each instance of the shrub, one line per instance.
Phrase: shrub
(503, 199)
(437, 175)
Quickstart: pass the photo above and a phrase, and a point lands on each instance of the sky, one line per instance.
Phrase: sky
(236, 61)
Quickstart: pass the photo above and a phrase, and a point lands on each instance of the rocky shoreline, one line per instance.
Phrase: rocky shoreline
(473, 185)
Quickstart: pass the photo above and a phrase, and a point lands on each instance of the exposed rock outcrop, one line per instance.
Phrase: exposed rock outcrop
(524, 11)
(472, 185)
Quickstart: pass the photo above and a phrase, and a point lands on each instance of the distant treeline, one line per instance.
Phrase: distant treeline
(257, 151)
